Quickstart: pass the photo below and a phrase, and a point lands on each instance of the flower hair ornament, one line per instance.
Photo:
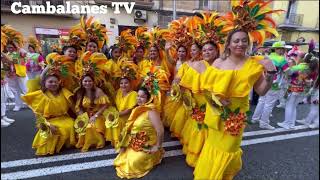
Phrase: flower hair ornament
(253, 17)
(10, 35)
(88, 30)
(33, 41)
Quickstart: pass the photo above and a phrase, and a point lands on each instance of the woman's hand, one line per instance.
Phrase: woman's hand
(225, 102)
(53, 129)
(267, 64)
(153, 149)
(168, 46)
(92, 119)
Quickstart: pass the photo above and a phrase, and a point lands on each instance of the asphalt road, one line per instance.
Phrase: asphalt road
(268, 155)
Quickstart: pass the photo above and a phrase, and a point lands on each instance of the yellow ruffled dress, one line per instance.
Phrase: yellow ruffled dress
(94, 135)
(192, 137)
(122, 103)
(190, 80)
(171, 105)
(134, 162)
(54, 109)
(221, 155)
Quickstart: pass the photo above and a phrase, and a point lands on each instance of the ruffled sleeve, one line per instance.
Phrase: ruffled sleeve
(48, 105)
(102, 100)
(182, 70)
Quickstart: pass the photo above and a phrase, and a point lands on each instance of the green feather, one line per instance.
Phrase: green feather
(254, 10)
(260, 17)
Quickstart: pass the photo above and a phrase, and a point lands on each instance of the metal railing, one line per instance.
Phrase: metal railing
(294, 19)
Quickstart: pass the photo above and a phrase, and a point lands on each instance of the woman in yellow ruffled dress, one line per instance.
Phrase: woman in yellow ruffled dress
(93, 101)
(126, 100)
(141, 142)
(176, 122)
(194, 131)
(231, 79)
(50, 106)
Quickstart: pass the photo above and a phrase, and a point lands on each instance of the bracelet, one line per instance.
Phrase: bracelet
(271, 72)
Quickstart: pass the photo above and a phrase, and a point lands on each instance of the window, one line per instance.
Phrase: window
(203, 4)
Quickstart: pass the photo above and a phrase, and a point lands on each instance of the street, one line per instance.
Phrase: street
(268, 154)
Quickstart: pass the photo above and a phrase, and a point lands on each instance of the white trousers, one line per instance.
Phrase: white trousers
(4, 96)
(291, 109)
(282, 100)
(265, 106)
(313, 116)
(18, 87)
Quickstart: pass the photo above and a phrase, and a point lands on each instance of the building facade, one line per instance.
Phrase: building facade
(299, 22)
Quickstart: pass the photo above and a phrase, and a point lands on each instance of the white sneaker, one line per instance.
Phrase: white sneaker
(16, 108)
(267, 126)
(303, 121)
(313, 126)
(280, 106)
(4, 123)
(283, 126)
(8, 119)
(254, 121)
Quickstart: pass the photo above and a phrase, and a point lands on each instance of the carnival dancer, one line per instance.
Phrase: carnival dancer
(157, 62)
(14, 59)
(91, 102)
(312, 119)
(194, 132)
(141, 139)
(266, 103)
(34, 64)
(230, 79)
(93, 36)
(180, 42)
(50, 106)
(299, 85)
(126, 100)
(5, 121)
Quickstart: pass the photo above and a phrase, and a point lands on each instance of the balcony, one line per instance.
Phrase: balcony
(139, 4)
(293, 21)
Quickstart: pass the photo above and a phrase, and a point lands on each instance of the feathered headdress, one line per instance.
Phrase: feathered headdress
(55, 47)
(33, 41)
(59, 65)
(89, 30)
(143, 37)
(11, 35)
(127, 42)
(92, 64)
(252, 17)
(180, 32)
(158, 37)
(211, 29)
(4, 40)
(129, 70)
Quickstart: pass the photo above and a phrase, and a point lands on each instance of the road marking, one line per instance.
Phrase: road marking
(73, 156)
(279, 138)
(79, 155)
(262, 132)
(69, 168)
(109, 162)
